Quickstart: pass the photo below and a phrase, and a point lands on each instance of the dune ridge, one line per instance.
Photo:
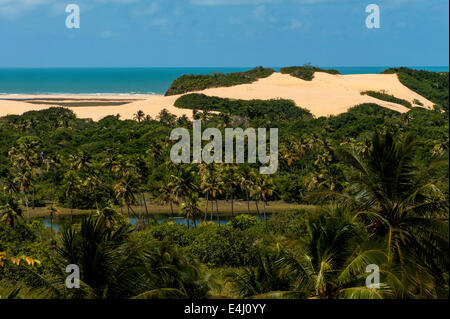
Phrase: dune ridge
(325, 95)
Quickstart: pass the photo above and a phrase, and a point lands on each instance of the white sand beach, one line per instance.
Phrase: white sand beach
(325, 95)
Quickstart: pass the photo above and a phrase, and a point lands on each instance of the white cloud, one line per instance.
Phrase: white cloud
(149, 10)
(11, 9)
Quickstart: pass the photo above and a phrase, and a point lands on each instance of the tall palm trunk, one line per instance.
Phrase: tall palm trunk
(171, 208)
(232, 205)
(71, 212)
(217, 212)
(257, 207)
(206, 207)
(248, 202)
(33, 199)
(26, 205)
(212, 209)
(145, 204)
(264, 209)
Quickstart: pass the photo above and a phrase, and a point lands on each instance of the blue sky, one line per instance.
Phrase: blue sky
(174, 33)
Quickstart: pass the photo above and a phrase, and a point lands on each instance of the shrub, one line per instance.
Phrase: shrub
(388, 98)
(221, 246)
(305, 72)
(173, 233)
(432, 85)
(189, 83)
(243, 222)
(277, 109)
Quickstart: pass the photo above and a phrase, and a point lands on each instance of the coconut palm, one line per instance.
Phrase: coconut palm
(71, 186)
(125, 191)
(267, 276)
(247, 180)
(399, 200)
(80, 161)
(107, 268)
(213, 185)
(264, 187)
(139, 116)
(142, 173)
(190, 208)
(10, 213)
(25, 178)
(332, 261)
(167, 194)
(184, 181)
(52, 211)
(112, 267)
(230, 182)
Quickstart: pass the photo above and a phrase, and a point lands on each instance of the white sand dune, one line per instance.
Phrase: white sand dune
(325, 95)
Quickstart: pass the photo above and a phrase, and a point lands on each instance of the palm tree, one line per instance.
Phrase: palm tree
(190, 208)
(212, 184)
(10, 213)
(143, 173)
(52, 163)
(71, 189)
(184, 181)
(264, 187)
(111, 267)
(53, 211)
(139, 116)
(230, 182)
(401, 201)
(24, 179)
(167, 194)
(99, 253)
(111, 160)
(125, 192)
(247, 181)
(80, 161)
(267, 276)
(332, 262)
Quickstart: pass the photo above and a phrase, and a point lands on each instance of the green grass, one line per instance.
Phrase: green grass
(387, 97)
(240, 207)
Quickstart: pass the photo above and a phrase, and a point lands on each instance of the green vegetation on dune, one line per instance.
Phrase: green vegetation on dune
(305, 72)
(432, 85)
(189, 83)
(387, 97)
(276, 109)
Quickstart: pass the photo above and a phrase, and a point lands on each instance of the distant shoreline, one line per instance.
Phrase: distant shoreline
(125, 81)
(325, 95)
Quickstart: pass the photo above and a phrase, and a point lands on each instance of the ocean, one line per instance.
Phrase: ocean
(120, 80)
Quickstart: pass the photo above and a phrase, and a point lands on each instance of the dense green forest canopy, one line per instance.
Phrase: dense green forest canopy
(374, 183)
